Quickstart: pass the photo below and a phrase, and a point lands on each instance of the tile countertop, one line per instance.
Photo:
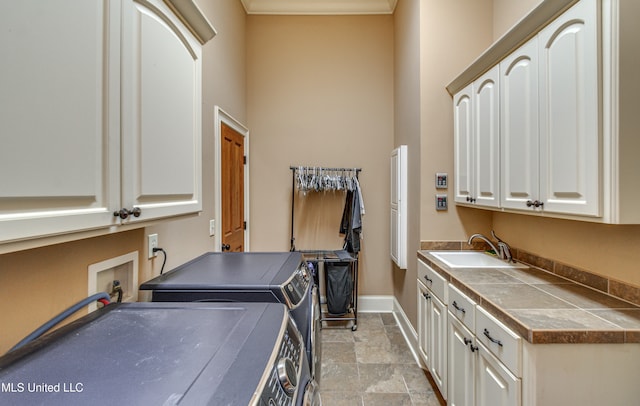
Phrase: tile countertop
(542, 307)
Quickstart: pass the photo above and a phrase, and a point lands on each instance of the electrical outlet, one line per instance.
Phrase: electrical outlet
(152, 243)
(212, 228)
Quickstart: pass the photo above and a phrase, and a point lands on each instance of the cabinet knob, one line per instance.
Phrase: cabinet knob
(467, 341)
(426, 296)
(473, 348)
(226, 247)
(535, 203)
(124, 213)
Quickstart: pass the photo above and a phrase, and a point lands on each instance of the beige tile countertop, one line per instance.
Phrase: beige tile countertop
(542, 307)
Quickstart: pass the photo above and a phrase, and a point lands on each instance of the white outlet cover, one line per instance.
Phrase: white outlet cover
(152, 243)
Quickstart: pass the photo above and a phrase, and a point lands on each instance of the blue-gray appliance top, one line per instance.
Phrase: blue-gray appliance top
(230, 270)
(148, 354)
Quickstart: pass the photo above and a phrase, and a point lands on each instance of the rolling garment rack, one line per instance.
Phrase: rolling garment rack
(340, 266)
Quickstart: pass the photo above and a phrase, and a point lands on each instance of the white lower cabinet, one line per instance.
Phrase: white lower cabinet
(461, 364)
(495, 385)
(432, 324)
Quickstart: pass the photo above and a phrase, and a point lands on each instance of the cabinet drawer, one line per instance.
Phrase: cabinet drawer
(462, 307)
(433, 280)
(500, 340)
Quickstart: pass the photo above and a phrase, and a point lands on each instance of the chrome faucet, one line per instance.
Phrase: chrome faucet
(503, 250)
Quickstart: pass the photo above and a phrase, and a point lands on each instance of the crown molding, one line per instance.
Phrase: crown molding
(319, 7)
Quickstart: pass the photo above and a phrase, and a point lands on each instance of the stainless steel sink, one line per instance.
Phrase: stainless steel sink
(473, 259)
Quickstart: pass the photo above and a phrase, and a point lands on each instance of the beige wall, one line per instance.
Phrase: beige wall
(320, 93)
(39, 283)
(407, 132)
(506, 13)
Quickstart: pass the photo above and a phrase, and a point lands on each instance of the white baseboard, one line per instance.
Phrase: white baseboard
(375, 304)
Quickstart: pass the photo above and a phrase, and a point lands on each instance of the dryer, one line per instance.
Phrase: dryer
(280, 277)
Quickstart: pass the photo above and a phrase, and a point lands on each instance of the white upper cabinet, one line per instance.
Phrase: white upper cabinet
(519, 126)
(568, 113)
(161, 120)
(463, 147)
(59, 163)
(102, 113)
(477, 141)
(570, 163)
(486, 156)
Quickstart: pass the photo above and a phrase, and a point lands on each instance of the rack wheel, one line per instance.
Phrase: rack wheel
(354, 327)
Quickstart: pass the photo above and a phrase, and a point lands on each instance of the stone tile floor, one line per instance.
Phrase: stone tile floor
(371, 366)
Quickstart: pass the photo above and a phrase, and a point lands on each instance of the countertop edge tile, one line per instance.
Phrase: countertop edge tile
(534, 336)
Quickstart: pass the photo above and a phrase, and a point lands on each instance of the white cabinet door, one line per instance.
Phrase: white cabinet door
(60, 116)
(460, 365)
(495, 385)
(463, 147)
(486, 139)
(519, 127)
(423, 322)
(399, 206)
(477, 142)
(161, 119)
(569, 127)
(438, 343)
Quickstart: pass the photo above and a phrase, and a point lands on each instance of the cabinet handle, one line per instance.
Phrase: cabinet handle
(467, 341)
(426, 296)
(473, 348)
(226, 247)
(427, 279)
(124, 213)
(460, 309)
(493, 340)
(535, 203)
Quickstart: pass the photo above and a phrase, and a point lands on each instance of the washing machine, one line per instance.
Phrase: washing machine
(165, 354)
(281, 277)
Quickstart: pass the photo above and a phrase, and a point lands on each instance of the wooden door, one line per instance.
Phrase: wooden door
(233, 224)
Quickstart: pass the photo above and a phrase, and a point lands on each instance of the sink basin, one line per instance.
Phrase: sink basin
(473, 259)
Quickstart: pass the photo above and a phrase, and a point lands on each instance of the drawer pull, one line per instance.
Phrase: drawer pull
(473, 348)
(493, 340)
(458, 308)
(427, 279)
(467, 341)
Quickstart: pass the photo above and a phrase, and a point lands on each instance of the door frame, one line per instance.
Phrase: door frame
(220, 116)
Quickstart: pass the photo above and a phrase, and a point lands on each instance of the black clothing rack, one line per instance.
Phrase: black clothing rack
(325, 257)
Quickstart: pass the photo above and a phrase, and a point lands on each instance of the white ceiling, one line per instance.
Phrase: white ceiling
(319, 6)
